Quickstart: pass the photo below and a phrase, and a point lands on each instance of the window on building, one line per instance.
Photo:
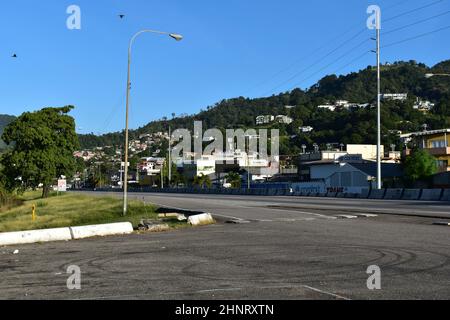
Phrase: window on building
(442, 163)
(438, 144)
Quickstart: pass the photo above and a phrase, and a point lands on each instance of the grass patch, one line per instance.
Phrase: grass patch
(72, 210)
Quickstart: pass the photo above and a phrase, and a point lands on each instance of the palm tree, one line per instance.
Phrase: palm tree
(202, 181)
(234, 179)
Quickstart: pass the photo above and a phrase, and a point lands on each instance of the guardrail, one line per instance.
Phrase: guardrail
(383, 194)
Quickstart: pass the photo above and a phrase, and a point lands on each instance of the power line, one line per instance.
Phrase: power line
(349, 40)
(318, 61)
(415, 37)
(413, 10)
(313, 54)
(333, 62)
(415, 23)
(351, 62)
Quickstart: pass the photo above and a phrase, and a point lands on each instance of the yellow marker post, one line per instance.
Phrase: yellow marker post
(33, 213)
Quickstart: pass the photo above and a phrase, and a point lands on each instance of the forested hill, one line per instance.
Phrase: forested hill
(340, 126)
(4, 121)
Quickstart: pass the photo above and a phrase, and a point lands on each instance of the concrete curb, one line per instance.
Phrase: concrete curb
(64, 234)
(101, 230)
(33, 236)
(439, 223)
(201, 219)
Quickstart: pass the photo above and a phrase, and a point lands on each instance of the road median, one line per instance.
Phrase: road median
(64, 234)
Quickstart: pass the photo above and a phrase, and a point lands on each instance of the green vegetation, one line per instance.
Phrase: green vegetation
(234, 179)
(43, 145)
(340, 126)
(71, 210)
(202, 181)
(420, 166)
(4, 121)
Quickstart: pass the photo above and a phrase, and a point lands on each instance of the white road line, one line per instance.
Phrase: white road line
(215, 290)
(346, 216)
(326, 292)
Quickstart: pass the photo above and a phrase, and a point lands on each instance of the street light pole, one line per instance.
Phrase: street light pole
(175, 36)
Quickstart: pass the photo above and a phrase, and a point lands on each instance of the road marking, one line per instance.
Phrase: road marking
(367, 215)
(216, 290)
(303, 212)
(326, 292)
(346, 216)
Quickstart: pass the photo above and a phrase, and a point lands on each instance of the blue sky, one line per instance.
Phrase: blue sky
(231, 48)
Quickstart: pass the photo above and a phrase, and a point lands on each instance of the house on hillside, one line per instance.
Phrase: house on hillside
(435, 142)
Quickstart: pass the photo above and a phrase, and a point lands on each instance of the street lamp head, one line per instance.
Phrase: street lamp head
(175, 36)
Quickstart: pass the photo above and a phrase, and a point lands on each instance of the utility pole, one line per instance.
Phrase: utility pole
(378, 110)
(170, 158)
(374, 22)
(162, 175)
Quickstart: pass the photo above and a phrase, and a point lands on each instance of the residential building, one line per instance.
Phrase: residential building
(435, 142)
(395, 96)
(306, 129)
(423, 105)
(264, 119)
(327, 107)
(284, 119)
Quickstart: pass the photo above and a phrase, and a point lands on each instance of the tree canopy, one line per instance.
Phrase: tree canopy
(43, 146)
(420, 165)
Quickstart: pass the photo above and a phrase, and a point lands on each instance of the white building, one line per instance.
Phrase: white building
(284, 119)
(264, 119)
(327, 107)
(306, 129)
(423, 105)
(395, 96)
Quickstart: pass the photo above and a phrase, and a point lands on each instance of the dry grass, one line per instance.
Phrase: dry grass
(71, 210)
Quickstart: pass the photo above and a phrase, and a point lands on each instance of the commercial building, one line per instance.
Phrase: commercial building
(351, 170)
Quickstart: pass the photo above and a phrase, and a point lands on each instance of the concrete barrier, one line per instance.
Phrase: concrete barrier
(411, 194)
(445, 195)
(377, 194)
(101, 230)
(201, 219)
(322, 194)
(364, 194)
(393, 194)
(351, 195)
(431, 194)
(33, 236)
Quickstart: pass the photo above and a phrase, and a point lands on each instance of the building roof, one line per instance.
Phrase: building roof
(388, 170)
(425, 133)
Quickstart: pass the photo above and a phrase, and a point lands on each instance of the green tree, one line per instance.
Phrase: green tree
(420, 165)
(202, 181)
(234, 179)
(44, 142)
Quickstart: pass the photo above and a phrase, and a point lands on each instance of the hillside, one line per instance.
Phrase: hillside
(340, 126)
(4, 121)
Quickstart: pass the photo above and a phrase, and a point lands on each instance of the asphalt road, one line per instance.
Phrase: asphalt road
(282, 248)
